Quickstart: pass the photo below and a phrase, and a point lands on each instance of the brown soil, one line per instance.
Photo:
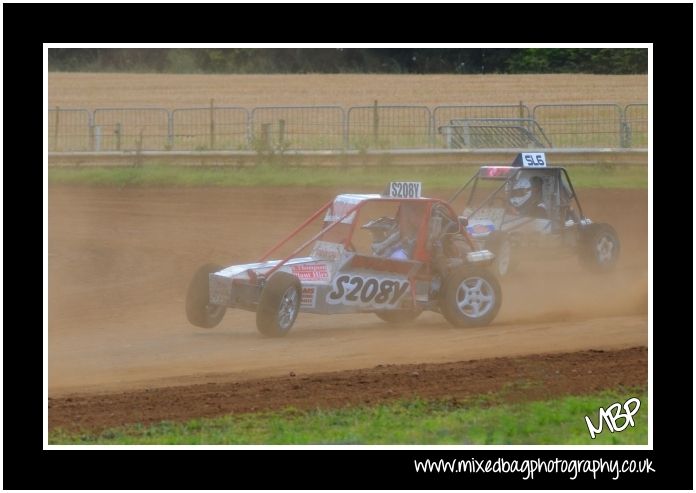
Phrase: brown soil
(511, 379)
(120, 260)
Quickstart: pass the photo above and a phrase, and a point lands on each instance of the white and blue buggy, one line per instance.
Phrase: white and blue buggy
(529, 210)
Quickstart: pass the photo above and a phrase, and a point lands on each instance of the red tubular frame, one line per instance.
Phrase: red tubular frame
(420, 252)
(297, 230)
(311, 240)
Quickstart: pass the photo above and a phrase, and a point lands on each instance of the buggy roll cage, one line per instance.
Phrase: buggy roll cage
(423, 230)
(509, 179)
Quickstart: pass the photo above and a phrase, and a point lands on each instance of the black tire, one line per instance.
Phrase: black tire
(199, 311)
(499, 244)
(599, 247)
(279, 305)
(398, 316)
(471, 297)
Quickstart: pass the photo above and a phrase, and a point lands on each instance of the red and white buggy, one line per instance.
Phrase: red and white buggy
(410, 254)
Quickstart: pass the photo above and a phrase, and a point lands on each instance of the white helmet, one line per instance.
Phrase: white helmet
(520, 192)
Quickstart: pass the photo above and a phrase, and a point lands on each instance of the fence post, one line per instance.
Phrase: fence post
(281, 133)
(250, 129)
(117, 131)
(170, 130)
(448, 137)
(346, 129)
(522, 116)
(55, 132)
(139, 149)
(90, 126)
(212, 124)
(265, 136)
(466, 135)
(433, 129)
(624, 129)
(97, 137)
(375, 124)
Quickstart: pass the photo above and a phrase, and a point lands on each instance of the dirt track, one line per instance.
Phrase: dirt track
(509, 379)
(120, 260)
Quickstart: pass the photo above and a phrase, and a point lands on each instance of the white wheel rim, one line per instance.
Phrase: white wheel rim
(475, 297)
(288, 308)
(605, 249)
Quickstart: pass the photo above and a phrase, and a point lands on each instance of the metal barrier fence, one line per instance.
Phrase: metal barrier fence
(580, 125)
(389, 127)
(213, 128)
(334, 128)
(129, 129)
(69, 130)
(635, 125)
(297, 127)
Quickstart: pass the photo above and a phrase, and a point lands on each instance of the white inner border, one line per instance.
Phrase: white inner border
(46, 446)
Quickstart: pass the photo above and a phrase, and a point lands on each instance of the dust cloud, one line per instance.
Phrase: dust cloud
(120, 260)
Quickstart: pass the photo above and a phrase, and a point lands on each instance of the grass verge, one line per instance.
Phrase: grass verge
(481, 421)
(600, 176)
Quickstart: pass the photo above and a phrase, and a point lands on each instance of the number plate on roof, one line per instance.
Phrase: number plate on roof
(530, 160)
(405, 189)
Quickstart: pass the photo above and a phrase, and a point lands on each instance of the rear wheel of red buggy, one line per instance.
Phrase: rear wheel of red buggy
(199, 311)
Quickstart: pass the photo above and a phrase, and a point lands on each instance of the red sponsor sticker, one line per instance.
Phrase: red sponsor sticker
(309, 296)
(311, 272)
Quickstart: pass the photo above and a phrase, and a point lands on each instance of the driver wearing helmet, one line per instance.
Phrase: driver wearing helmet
(396, 238)
(527, 198)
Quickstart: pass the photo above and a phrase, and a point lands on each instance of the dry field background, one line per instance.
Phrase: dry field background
(84, 90)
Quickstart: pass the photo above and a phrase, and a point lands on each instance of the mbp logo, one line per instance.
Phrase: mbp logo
(612, 414)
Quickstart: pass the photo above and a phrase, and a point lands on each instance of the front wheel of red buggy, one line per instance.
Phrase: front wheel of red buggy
(279, 305)
(471, 297)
